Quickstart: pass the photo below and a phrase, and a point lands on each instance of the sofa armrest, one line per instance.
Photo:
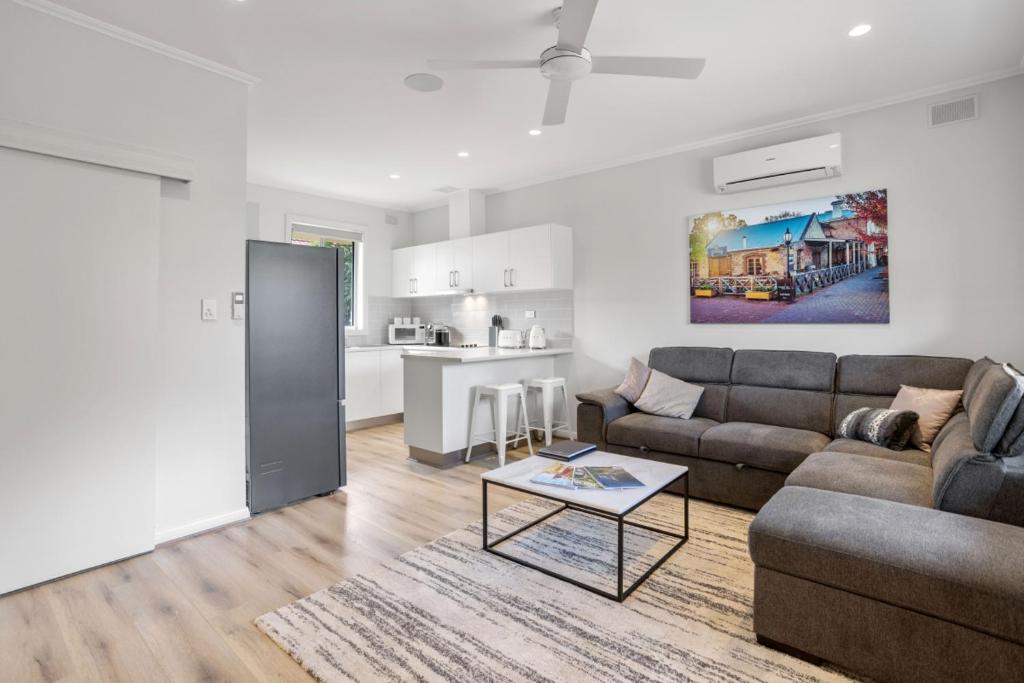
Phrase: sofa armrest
(597, 410)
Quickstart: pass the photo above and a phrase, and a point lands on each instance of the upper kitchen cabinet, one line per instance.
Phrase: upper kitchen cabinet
(454, 270)
(539, 257)
(413, 271)
(490, 262)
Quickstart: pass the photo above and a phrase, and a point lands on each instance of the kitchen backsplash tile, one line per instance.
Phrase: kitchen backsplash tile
(470, 316)
(380, 311)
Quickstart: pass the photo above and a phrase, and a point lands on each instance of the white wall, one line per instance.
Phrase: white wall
(61, 75)
(956, 238)
(268, 207)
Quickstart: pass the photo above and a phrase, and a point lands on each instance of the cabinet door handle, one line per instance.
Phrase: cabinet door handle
(410, 285)
(506, 277)
(511, 277)
(457, 277)
(451, 276)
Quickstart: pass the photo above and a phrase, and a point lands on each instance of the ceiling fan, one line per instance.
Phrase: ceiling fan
(569, 60)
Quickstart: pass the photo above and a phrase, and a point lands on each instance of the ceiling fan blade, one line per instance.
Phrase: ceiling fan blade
(558, 102)
(574, 23)
(667, 67)
(446, 64)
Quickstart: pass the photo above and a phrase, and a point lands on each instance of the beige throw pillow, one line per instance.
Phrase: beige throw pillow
(636, 380)
(665, 395)
(934, 408)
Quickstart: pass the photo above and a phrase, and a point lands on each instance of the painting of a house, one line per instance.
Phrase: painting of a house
(769, 264)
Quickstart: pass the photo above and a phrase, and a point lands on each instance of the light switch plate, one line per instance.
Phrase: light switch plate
(531, 314)
(209, 309)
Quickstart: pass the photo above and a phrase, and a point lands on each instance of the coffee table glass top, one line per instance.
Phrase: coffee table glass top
(655, 476)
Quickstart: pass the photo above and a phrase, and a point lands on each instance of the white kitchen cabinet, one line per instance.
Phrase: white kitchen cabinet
(529, 258)
(424, 266)
(373, 382)
(392, 395)
(490, 262)
(454, 266)
(362, 385)
(537, 257)
(413, 271)
(402, 272)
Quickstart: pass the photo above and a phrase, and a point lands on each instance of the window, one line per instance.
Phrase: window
(348, 240)
(755, 265)
(694, 270)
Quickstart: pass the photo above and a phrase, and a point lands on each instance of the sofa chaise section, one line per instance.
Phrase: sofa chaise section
(893, 591)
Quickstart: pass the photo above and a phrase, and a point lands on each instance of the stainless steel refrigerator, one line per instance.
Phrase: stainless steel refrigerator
(295, 373)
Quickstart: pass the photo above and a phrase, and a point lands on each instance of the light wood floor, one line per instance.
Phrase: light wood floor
(185, 611)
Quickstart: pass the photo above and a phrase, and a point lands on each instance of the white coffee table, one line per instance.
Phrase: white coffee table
(614, 505)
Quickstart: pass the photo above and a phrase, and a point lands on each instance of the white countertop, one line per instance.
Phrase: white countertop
(380, 347)
(483, 354)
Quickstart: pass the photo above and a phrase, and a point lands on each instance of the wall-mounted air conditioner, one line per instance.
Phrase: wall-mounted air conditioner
(792, 162)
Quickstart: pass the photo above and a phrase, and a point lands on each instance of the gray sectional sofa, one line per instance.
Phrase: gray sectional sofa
(898, 565)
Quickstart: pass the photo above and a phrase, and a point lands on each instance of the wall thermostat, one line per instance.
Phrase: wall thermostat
(238, 305)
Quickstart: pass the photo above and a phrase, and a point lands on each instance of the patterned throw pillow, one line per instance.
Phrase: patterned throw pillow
(635, 382)
(881, 426)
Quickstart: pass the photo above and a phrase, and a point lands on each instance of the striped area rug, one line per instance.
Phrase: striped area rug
(448, 611)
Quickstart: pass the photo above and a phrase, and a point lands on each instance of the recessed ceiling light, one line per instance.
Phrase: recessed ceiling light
(423, 82)
(859, 30)
(535, 131)
(462, 155)
(394, 176)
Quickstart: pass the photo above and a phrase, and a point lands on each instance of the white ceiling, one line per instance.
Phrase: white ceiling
(332, 116)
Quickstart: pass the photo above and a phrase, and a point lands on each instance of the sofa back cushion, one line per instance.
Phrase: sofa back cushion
(992, 405)
(874, 381)
(783, 388)
(709, 367)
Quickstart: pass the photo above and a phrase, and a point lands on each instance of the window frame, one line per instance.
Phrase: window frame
(294, 222)
(760, 260)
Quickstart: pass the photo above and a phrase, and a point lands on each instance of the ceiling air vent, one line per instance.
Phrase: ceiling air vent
(446, 189)
(954, 111)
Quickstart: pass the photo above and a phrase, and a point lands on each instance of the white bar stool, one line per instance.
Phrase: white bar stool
(547, 386)
(499, 395)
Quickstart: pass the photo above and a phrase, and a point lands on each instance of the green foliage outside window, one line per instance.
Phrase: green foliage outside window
(347, 256)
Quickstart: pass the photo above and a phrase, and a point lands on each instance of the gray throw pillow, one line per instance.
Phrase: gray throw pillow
(670, 397)
(992, 404)
(881, 426)
(636, 380)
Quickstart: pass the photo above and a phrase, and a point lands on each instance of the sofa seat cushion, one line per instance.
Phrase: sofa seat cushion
(779, 449)
(911, 455)
(865, 475)
(658, 433)
(955, 568)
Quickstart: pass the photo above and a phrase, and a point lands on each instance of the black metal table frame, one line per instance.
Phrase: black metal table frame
(620, 519)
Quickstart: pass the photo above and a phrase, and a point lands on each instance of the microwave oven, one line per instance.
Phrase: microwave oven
(407, 334)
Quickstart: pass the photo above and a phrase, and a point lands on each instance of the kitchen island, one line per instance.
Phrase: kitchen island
(439, 392)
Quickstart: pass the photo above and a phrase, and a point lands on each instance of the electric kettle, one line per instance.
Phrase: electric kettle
(538, 340)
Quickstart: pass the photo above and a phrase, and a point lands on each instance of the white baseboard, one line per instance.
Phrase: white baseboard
(165, 535)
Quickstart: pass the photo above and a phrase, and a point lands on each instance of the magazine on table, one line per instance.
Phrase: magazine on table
(573, 477)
